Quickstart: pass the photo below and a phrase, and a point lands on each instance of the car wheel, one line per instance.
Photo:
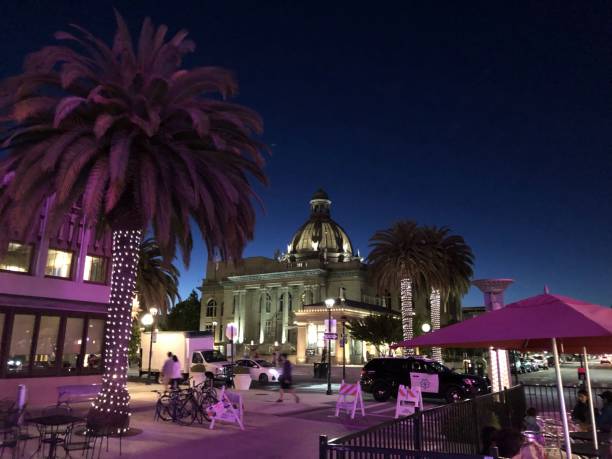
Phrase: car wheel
(381, 391)
(453, 394)
(263, 378)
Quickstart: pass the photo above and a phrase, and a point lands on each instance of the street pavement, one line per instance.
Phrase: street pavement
(601, 376)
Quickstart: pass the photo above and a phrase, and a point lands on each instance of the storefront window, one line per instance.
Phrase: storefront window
(59, 263)
(17, 258)
(45, 356)
(93, 348)
(21, 343)
(95, 269)
(72, 344)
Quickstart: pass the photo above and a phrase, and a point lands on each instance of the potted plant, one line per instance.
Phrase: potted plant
(242, 378)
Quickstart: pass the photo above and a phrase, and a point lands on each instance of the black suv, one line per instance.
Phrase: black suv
(381, 377)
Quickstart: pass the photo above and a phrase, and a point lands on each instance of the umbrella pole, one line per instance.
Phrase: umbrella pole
(568, 446)
(590, 391)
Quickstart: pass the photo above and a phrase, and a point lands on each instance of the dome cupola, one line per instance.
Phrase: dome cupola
(320, 237)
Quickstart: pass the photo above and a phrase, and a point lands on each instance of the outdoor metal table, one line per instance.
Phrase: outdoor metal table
(54, 420)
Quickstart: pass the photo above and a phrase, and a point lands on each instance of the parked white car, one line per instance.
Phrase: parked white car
(260, 370)
(605, 359)
(541, 361)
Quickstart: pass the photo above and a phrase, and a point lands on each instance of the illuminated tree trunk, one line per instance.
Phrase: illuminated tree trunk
(110, 410)
(434, 300)
(407, 312)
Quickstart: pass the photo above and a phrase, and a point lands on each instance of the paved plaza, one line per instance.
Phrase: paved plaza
(272, 430)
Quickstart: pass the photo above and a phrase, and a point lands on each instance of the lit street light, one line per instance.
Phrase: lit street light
(149, 320)
(426, 328)
(329, 304)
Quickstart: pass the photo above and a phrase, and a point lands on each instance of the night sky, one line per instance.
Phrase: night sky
(492, 120)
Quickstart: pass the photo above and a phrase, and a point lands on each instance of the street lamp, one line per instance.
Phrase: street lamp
(329, 304)
(149, 320)
(426, 328)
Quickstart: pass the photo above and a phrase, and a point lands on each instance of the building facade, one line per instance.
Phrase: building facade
(278, 304)
(53, 299)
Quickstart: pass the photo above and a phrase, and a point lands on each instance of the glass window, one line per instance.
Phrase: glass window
(72, 344)
(21, 343)
(211, 308)
(45, 354)
(17, 258)
(95, 269)
(59, 263)
(197, 358)
(93, 346)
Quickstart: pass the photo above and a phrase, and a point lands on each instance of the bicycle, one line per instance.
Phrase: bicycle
(178, 405)
(206, 396)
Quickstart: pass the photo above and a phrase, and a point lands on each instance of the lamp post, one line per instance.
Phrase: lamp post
(149, 320)
(329, 304)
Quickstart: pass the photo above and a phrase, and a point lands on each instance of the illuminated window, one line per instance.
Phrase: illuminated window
(95, 269)
(211, 308)
(93, 346)
(45, 356)
(17, 258)
(59, 263)
(73, 339)
(21, 343)
(268, 328)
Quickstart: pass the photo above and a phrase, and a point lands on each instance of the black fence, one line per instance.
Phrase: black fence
(448, 431)
(545, 399)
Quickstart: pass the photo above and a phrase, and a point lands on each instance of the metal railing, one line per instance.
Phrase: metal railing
(545, 399)
(453, 430)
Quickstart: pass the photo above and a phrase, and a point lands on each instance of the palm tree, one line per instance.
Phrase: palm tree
(140, 143)
(400, 257)
(156, 281)
(453, 259)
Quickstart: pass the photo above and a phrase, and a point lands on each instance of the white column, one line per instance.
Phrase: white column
(241, 316)
(285, 293)
(261, 303)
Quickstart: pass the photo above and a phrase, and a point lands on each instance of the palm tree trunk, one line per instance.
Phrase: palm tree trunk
(407, 311)
(434, 300)
(110, 410)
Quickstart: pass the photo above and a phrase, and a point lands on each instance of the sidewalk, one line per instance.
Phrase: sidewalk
(272, 430)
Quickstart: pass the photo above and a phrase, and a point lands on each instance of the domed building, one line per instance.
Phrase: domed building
(278, 303)
(320, 237)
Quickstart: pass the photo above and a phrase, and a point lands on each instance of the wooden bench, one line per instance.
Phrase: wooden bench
(77, 393)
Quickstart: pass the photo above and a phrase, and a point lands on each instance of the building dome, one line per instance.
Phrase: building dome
(320, 237)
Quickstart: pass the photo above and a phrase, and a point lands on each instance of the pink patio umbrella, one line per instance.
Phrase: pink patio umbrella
(542, 322)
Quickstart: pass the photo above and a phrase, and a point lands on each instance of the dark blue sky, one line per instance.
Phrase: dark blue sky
(491, 119)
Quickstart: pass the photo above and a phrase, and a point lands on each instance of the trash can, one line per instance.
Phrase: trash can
(322, 367)
(316, 369)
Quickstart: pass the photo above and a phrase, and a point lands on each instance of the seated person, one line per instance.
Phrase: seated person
(580, 413)
(604, 419)
(530, 421)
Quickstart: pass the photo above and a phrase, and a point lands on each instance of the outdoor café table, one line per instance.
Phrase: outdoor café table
(55, 421)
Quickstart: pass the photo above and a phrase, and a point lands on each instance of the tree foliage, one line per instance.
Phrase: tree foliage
(376, 329)
(185, 315)
(135, 139)
(156, 281)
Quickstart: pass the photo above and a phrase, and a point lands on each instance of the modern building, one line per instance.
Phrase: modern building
(53, 299)
(278, 303)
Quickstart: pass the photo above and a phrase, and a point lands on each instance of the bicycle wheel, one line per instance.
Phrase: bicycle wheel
(186, 411)
(163, 408)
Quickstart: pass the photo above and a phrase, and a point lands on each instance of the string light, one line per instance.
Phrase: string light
(114, 398)
(434, 299)
(407, 312)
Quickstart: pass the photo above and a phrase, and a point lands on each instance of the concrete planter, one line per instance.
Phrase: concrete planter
(242, 382)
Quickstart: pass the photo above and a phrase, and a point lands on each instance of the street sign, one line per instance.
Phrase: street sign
(330, 336)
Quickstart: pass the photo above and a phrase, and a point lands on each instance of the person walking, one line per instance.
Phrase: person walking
(176, 375)
(166, 372)
(286, 380)
(604, 419)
